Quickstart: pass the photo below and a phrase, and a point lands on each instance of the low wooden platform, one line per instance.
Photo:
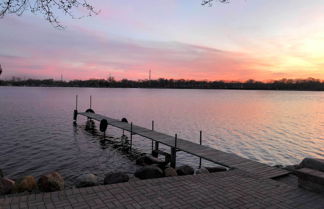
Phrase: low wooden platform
(226, 159)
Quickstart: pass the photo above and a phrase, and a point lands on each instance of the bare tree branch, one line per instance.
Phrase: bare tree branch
(210, 2)
(48, 8)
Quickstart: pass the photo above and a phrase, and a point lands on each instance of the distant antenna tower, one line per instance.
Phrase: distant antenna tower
(150, 75)
(61, 77)
(0, 69)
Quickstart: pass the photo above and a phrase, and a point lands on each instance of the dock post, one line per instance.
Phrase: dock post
(174, 152)
(200, 142)
(152, 130)
(131, 136)
(106, 131)
(155, 153)
(90, 102)
(75, 113)
(76, 102)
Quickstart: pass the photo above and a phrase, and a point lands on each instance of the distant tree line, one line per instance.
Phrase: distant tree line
(283, 84)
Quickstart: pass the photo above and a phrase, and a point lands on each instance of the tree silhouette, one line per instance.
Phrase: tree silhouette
(50, 9)
(309, 84)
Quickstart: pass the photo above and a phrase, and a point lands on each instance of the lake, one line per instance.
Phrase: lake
(37, 134)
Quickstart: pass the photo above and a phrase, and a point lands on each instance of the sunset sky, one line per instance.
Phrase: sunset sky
(257, 39)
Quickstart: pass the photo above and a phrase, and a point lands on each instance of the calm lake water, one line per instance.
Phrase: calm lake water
(37, 134)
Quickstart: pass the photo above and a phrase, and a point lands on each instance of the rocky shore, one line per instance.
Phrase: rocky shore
(150, 167)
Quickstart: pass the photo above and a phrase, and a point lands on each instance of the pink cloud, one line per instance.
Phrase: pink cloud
(80, 53)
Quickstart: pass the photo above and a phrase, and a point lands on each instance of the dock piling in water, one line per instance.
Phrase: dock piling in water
(152, 130)
(124, 120)
(174, 152)
(131, 136)
(90, 102)
(75, 115)
(76, 102)
(155, 153)
(75, 112)
(200, 142)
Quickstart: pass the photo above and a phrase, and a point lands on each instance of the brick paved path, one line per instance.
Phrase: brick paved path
(232, 189)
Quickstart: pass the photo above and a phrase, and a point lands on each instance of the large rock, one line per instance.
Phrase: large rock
(216, 169)
(313, 163)
(7, 186)
(114, 178)
(149, 172)
(141, 160)
(161, 166)
(168, 172)
(185, 170)
(51, 182)
(201, 171)
(27, 183)
(87, 180)
(1, 174)
(149, 160)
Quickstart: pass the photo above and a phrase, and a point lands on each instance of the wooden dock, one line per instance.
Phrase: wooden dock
(177, 144)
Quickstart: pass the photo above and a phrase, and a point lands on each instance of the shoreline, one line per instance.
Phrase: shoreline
(230, 189)
(166, 88)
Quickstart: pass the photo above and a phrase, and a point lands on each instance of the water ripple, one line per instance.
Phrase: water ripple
(37, 135)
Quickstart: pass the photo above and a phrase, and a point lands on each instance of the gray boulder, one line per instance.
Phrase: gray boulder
(141, 160)
(27, 183)
(201, 171)
(168, 172)
(51, 182)
(185, 170)
(149, 160)
(216, 169)
(149, 172)
(7, 186)
(114, 178)
(313, 163)
(161, 166)
(87, 180)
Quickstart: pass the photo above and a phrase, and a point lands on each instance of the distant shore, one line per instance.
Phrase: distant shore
(309, 84)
